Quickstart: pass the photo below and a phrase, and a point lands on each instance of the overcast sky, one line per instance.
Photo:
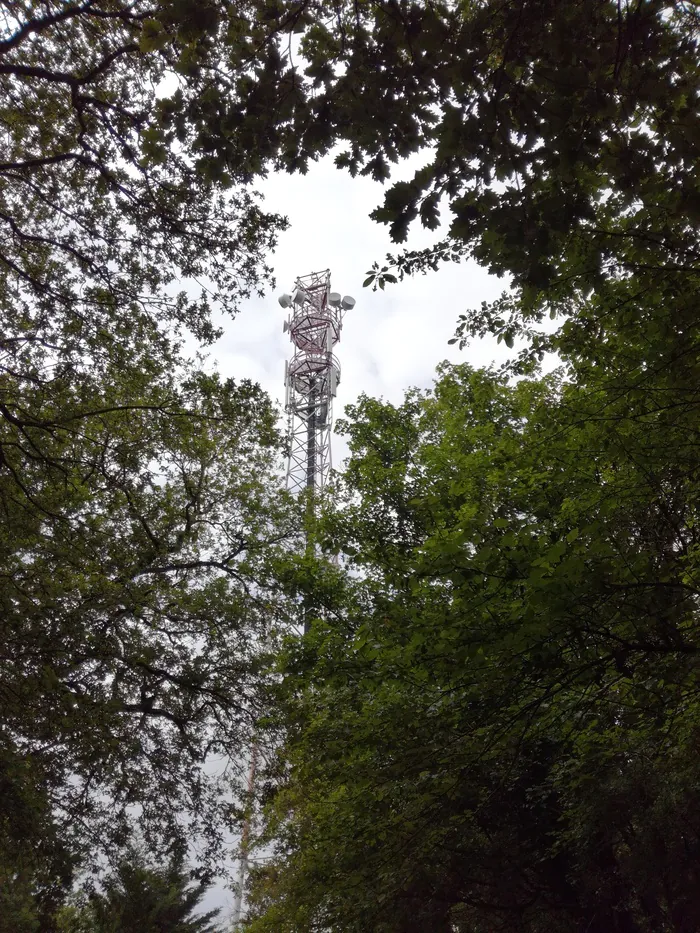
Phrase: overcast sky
(392, 339)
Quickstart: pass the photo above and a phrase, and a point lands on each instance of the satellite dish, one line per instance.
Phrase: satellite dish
(285, 300)
(334, 299)
(348, 303)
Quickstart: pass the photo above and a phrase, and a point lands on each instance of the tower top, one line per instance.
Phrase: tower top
(311, 377)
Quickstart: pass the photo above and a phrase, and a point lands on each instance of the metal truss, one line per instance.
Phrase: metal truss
(311, 378)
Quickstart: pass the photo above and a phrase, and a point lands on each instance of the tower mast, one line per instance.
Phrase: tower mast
(311, 379)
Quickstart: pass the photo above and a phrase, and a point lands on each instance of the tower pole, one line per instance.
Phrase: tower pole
(311, 379)
(311, 437)
(310, 489)
(245, 841)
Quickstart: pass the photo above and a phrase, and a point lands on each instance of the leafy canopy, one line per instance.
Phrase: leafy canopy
(111, 197)
(497, 727)
(138, 493)
(560, 140)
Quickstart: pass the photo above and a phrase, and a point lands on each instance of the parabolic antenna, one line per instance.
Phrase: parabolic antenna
(285, 300)
(334, 299)
(348, 303)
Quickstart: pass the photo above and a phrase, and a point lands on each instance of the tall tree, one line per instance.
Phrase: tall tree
(138, 550)
(137, 493)
(497, 728)
(526, 610)
(139, 898)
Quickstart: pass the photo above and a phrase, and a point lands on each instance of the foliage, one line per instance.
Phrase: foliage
(138, 493)
(501, 733)
(110, 197)
(496, 727)
(140, 897)
(36, 866)
(560, 139)
(492, 724)
(138, 548)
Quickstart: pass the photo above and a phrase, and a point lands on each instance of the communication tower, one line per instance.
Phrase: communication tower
(311, 378)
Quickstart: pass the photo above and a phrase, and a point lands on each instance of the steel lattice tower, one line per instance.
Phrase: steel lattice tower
(311, 378)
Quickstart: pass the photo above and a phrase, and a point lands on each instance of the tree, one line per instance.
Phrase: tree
(500, 731)
(500, 664)
(137, 492)
(36, 865)
(111, 195)
(139, 897)
(138, 553)
(561, 139)
(526, 610)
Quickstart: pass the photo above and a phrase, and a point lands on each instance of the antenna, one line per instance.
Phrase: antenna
(311, 378)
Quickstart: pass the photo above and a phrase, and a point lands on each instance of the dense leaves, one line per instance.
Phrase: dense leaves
(559, 138)
(141, 897)
(137, 554)
(107, 205)
(501, 734)
(137, 492)
(36, 865)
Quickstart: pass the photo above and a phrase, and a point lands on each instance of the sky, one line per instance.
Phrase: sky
(391, 339)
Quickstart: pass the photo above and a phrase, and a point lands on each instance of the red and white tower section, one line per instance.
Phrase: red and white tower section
(311, 378)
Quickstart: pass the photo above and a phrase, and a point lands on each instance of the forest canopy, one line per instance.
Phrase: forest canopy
(141, 515)
(497, 726)
(492, 723)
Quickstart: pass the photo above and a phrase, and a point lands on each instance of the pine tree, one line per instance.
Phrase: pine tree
(141, 898)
